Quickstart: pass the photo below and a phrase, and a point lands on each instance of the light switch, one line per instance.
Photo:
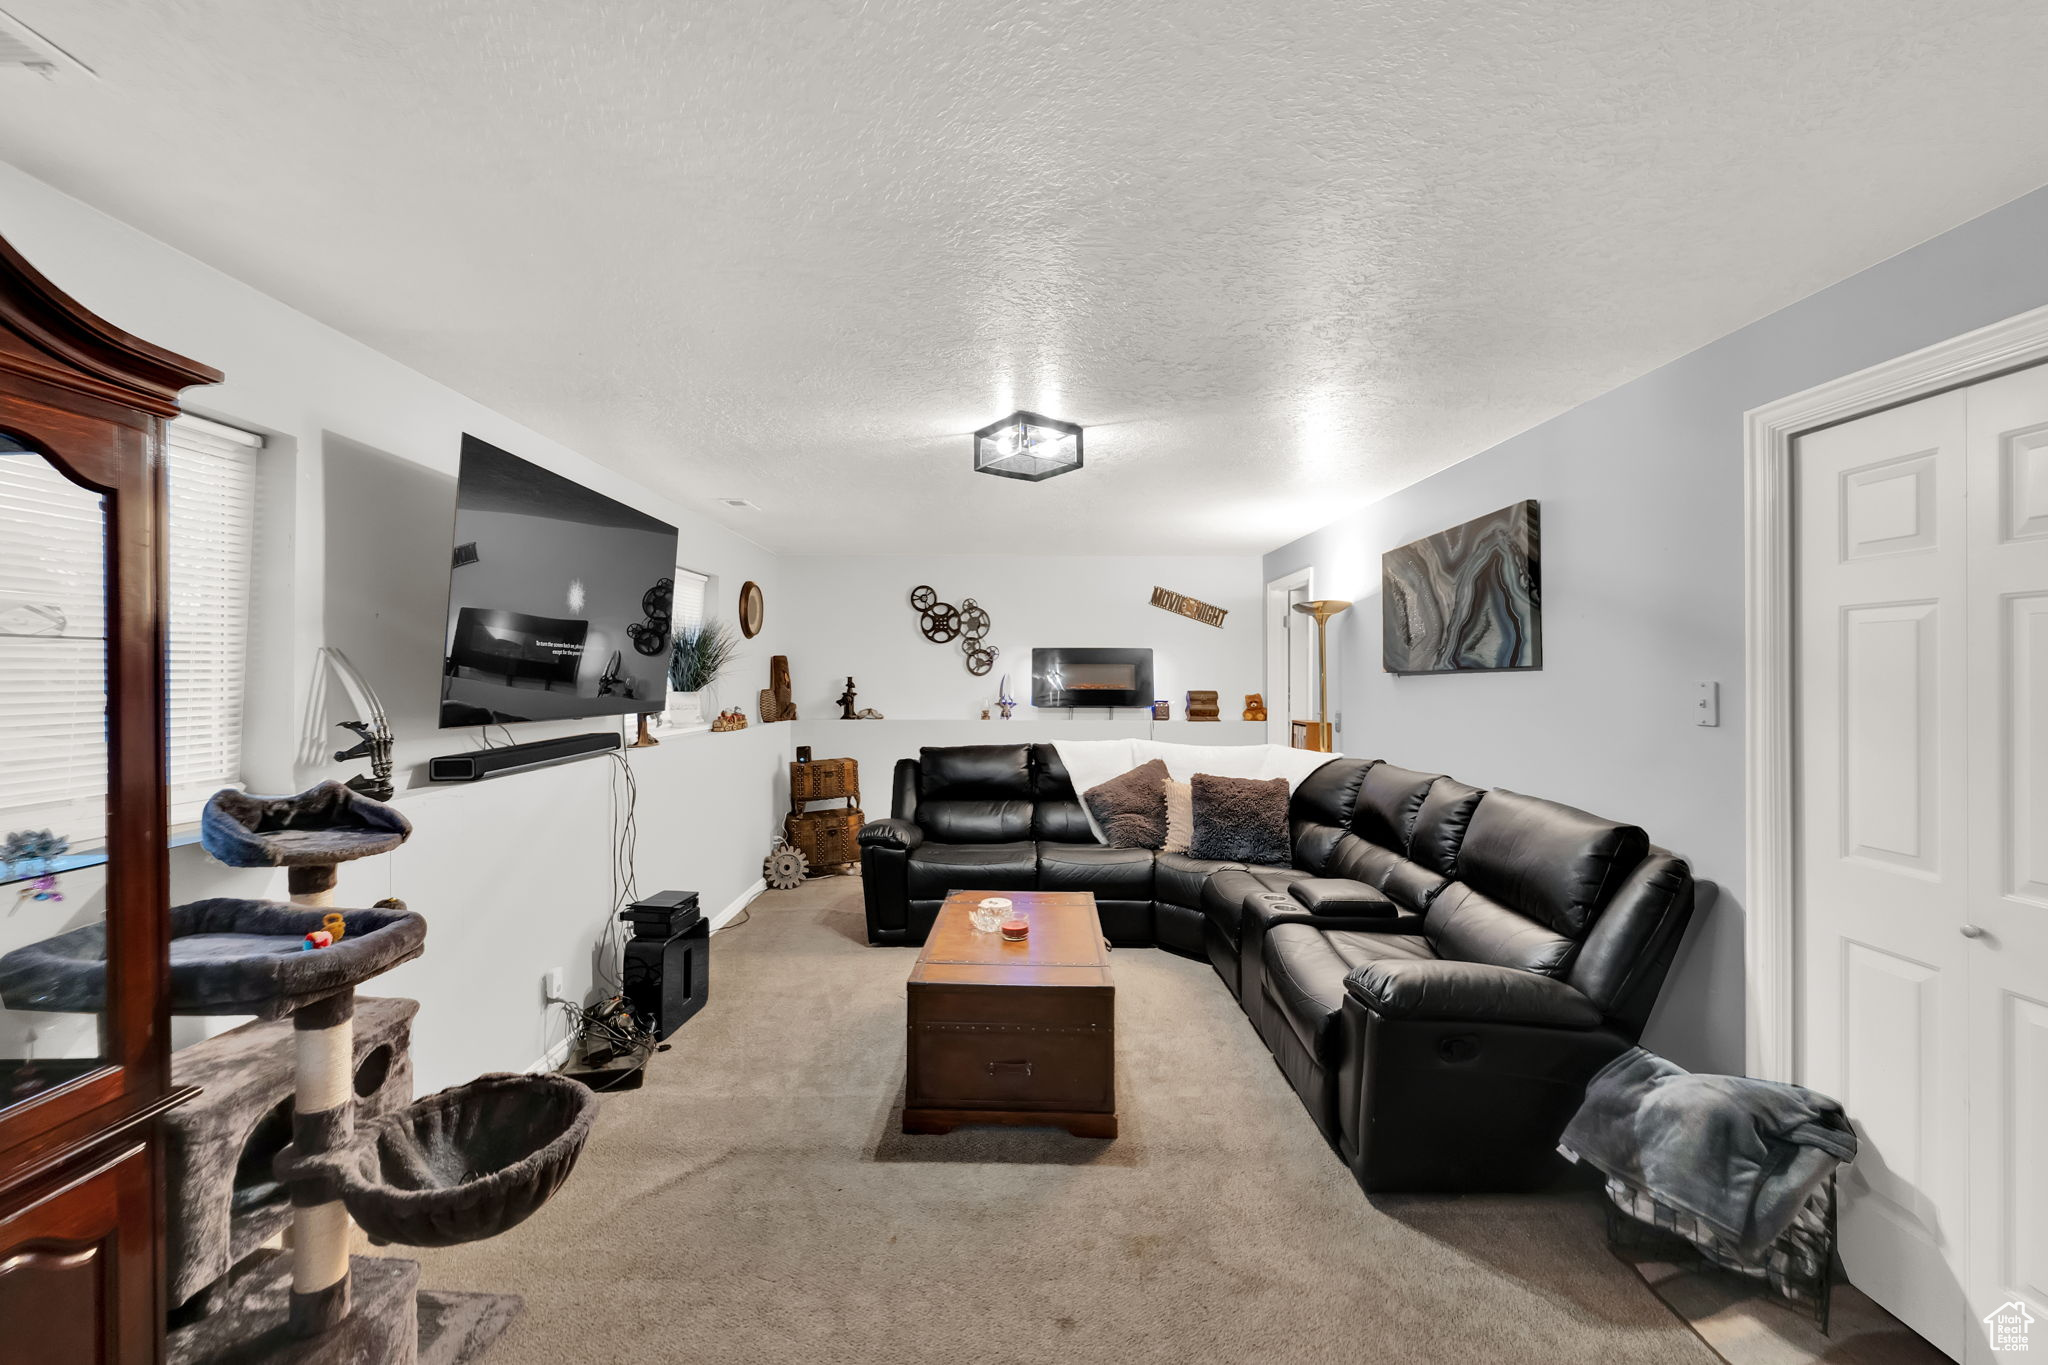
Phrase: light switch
(1706, 707)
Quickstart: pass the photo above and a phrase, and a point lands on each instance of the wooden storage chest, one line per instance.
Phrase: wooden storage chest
(1013, 1033)
(826, 836)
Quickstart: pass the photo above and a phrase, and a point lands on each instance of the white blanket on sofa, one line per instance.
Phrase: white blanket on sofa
(1091, 762)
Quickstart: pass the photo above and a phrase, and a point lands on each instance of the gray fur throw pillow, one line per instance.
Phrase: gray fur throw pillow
(1131, 808)
(1241, 819)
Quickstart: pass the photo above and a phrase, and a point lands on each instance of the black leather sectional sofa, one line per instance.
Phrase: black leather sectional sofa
(1437, 974)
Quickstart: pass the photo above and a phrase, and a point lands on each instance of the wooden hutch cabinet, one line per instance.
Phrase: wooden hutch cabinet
(82, 412)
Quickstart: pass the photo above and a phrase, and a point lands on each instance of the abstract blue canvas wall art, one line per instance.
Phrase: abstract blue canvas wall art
(1466, 600)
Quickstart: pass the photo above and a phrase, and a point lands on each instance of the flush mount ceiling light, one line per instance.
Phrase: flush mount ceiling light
(1025, 445)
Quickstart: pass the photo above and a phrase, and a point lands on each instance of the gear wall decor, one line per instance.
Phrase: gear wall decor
(943, 623)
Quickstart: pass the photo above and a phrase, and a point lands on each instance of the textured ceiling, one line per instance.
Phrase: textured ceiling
(1280, 258)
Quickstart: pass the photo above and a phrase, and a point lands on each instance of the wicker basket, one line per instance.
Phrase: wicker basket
(824, 779)
(826, 836)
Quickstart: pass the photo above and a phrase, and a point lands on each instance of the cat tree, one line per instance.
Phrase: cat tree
(465, 1164)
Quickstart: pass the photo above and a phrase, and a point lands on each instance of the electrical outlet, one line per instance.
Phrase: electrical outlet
(551, 985)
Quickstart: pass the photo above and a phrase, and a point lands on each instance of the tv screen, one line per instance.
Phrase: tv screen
(559, 598)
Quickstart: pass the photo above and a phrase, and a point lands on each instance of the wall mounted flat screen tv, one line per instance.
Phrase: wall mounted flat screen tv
(559, 598)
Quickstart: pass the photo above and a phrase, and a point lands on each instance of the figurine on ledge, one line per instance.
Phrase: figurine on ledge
(846, 700)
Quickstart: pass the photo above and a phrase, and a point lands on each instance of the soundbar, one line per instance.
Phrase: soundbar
(511, 758)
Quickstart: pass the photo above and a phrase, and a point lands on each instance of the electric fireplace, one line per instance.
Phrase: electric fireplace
(1091, 677)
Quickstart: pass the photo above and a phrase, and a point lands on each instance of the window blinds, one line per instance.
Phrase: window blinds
(689, 603)
(53, 627)
(211, 477)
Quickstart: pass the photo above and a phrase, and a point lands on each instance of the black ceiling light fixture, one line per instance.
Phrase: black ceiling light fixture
(1025, 445)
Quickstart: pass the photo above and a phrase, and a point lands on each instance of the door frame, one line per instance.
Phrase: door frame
(1278, 722)
(1771, 901)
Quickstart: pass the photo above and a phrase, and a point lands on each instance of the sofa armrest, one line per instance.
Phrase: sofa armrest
(891, 833)
(1476, 992)
(1337, 896)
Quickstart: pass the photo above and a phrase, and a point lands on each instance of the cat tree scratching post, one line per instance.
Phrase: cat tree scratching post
(323, 1120)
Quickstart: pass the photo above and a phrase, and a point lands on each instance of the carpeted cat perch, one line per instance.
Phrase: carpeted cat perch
(308, 834)
(461, 1165)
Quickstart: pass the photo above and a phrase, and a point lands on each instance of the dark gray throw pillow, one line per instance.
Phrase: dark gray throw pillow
(1241, 820)
(1131, 808)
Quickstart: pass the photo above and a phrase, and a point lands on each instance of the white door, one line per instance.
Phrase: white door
(1884, 841)
(2008, 901)
(1301, 661)
(1290, 657)
(1923, 728)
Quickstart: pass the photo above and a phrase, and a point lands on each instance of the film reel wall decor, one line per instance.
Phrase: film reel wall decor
(967, 624)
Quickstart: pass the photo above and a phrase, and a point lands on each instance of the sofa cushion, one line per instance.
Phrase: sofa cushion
(1623, 957)
(975, 822)
(1240, 818)
(1180, 817)
(1327, 795)
(1057, 815)
(1313, 844)
(1178, 878)
(1061, 822)
(975, 794)
(1388, 800)
(1305, 969)
(1553, 863)
(937, 870)
(1409, 885)
(1121, 874)
(1465, 925)
(975, 772)
(1440, 825)
(1130, 808)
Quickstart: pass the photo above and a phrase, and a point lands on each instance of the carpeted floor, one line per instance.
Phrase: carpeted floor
(754, 1202)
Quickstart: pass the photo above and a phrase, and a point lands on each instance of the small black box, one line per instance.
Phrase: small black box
(663, 915)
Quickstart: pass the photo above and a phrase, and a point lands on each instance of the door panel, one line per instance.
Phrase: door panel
(2019, 1238)
(2007, 909)
(1890, 694)
(1892, 1037)
(1883, 844)
(2026, 481)
(2026, 701)
(1888, 508)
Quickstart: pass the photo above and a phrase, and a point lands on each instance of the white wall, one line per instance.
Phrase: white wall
(512, 874)
(877, 744)
(1642, 586)
(852, 615)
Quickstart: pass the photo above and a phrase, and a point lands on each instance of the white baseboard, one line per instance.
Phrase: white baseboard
(739, 903)
(555, 1055)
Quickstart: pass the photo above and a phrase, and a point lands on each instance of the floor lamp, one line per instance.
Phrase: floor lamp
(1319, 734)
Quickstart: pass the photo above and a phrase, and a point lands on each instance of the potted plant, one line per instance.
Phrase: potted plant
(701, 654)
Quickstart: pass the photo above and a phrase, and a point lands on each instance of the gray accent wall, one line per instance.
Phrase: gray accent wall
(1642, 586)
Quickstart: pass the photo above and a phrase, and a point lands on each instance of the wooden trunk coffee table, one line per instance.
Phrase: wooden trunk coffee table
(1017, 1033)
